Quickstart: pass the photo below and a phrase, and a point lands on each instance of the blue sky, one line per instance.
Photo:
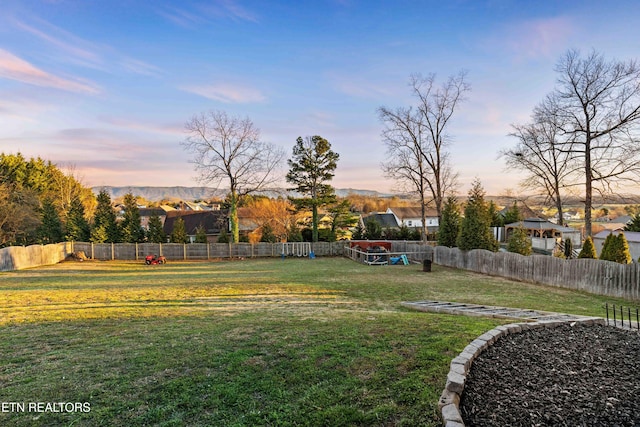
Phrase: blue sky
(106, 86)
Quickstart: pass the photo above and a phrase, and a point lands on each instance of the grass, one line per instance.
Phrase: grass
(299, 342)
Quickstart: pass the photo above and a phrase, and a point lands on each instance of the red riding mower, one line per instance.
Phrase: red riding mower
(155, 259)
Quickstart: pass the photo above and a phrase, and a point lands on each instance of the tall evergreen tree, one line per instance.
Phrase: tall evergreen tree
(311, 167)
(179, 233)
(77, 226)
(475, 230)
(156, 232)
(131, 230)
(105, 227)
(608, 248)
(50, 229)
(450, 225)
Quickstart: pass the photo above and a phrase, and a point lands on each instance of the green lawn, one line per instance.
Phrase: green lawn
(298, 342)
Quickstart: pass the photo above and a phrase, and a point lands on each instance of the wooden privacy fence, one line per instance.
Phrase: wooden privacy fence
(19, 257)
(588, 275)
(593, 276)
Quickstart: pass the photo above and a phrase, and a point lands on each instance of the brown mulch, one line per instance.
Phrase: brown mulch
(566, 376)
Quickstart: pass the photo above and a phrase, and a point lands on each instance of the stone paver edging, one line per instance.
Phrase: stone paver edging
(449, 403)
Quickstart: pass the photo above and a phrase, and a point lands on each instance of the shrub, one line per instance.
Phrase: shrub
(588, 250)
(519, 242)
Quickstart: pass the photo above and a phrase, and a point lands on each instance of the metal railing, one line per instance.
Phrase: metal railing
(616, 314)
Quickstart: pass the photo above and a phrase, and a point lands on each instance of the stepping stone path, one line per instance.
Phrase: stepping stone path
(491, 311)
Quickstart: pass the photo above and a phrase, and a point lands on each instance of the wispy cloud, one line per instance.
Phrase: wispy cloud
(140, 67)
(75, 48)
(227, 93)
(534, 39)
(15, 68)
(145, 126)
(201, 14)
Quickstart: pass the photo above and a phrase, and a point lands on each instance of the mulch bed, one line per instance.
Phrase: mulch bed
(565, 376)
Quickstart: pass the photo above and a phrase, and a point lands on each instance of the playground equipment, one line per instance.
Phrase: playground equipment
(298, 249)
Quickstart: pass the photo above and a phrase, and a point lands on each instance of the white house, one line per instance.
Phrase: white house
(412, 217)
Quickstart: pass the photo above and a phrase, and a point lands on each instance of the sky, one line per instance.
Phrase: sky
(104, 88)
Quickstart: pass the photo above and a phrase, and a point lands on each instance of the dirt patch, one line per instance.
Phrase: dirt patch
(565, 376)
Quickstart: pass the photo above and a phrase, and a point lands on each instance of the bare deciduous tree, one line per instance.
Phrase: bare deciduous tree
(548, 163)
(598, 105)
(416, 138)
(228, 149)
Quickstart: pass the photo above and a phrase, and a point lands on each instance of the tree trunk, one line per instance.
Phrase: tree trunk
(588, 197)
(314, 223)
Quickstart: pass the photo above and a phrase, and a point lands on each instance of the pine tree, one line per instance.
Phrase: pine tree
(496, 219)
(77, 226)
(156, 232)
(179, 233)
(622, 254)
(450, 224)
(201, 234)
(374, 229)
(588, 250)
(519, 242)
(512, 214)
(50, 229)
(475, 231)
(311, 167)
(105, 225)
(608, 247)
(130, 227)
(634, 225)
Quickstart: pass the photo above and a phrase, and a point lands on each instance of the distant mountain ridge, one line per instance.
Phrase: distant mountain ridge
(155, 194)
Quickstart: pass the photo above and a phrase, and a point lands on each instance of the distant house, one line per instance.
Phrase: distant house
(633, 238)
(412, 217)
(544, 234)
(213, 223)
(147, 213)
(386, 220)
(197, 206)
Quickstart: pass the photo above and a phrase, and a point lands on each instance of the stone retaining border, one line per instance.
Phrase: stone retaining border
(449, 403)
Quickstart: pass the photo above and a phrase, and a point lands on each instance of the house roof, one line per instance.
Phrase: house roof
(411, 212)
(384, 219)
(623, 219)
(631, 236)
(152, 211)
(539, 224)
(212, 221)
(524, 210)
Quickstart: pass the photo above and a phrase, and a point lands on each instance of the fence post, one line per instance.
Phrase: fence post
(184, 251)
(160, 250)
(113, 252)
(136, 251)
(208, 250)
